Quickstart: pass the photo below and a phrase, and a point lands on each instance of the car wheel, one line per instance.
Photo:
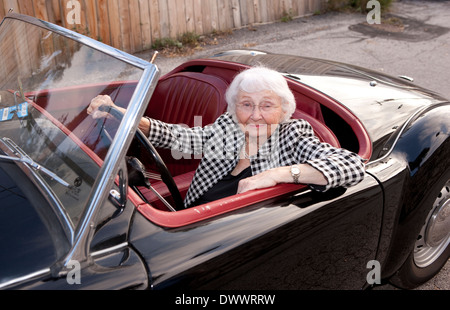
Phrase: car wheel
(431, 249)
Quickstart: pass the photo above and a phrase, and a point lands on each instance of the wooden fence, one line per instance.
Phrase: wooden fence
(133, 25)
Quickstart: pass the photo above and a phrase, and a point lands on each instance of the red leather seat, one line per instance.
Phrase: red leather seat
(189, 98)
(180, 97)
(320, 129)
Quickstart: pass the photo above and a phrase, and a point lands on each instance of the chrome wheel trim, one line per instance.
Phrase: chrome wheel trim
(434, 236)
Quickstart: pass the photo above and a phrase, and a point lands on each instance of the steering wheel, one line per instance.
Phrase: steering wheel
(166, 176)
(101, 123)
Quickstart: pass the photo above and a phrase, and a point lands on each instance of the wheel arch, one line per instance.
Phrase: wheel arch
(423, 146)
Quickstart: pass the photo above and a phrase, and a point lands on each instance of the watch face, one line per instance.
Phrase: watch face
(295, 170)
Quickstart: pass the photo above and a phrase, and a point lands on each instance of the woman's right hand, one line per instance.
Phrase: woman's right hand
(101, 100)
(105, 100)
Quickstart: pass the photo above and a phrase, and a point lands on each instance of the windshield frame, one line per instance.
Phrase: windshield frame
(122, 140)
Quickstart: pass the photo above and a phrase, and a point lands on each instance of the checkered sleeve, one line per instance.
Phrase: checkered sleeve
(179, 138)
(339, 166)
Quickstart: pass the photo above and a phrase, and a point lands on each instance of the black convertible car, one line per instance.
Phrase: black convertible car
(91, 204)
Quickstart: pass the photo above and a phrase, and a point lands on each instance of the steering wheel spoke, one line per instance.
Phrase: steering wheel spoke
(164, 173)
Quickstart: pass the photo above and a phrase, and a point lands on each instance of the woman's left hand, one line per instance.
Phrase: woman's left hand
(272, 177)
(263, 180)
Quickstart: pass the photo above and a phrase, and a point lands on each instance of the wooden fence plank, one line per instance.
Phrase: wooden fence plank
(198, 19)
(26, 7)
(273, 9)
(145, 24)
(104, 30)
(21, 50)
(155, 19)
(40, 9)
(289, 7)
(3, 48)
(189, 15)
(125, 24)
(11, 4)
(301, 7)
(92, 18)
(256, 11)
(243, 4)
(235, 7)
(133, 25)
(214, 13)
(263, 8)
(176, 25)
(178, 11)
(224, 15)
(50, 12)
(114, 23)
(2, 10)
(6, 68)
(56, 7)
(164, 18)
(206, 16)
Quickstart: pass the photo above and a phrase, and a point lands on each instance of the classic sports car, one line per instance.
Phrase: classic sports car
(91, 204)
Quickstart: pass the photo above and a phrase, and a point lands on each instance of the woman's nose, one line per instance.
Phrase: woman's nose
(256, 113)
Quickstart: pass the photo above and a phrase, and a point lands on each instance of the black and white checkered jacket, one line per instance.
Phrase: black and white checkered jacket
(220, 144)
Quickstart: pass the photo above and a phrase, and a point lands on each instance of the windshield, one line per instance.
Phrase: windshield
(47, 81)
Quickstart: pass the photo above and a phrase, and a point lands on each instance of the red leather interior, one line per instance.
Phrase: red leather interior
(190, 98)
(183, 181)
(178, 98)
(181, 96)
(320, 129)
(309, 103)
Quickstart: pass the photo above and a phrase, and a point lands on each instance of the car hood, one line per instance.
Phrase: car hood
(381, 102)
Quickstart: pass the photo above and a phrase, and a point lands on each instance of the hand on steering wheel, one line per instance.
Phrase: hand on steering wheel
(100, 107)
(109, 109)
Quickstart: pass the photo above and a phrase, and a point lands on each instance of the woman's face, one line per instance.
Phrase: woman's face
(259, 113)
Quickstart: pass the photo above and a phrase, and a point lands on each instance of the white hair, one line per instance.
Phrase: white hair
(258, 79)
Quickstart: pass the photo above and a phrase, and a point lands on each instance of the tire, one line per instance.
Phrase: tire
(431, 250)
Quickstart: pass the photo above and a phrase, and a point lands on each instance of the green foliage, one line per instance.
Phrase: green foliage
(287, 16)
(163, 43)
(188, 39)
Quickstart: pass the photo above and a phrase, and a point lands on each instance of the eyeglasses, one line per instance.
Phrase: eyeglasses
(263, 108)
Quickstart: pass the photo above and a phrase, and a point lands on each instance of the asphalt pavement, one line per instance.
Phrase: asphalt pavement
(413, 40)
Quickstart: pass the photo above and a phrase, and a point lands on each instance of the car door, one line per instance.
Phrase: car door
(305, 240)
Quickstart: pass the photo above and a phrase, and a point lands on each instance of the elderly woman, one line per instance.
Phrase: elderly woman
(254, 145)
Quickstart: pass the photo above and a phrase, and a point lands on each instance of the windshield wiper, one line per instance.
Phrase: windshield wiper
(23, 157)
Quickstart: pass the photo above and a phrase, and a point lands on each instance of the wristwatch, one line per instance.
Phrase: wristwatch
(295, 172)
